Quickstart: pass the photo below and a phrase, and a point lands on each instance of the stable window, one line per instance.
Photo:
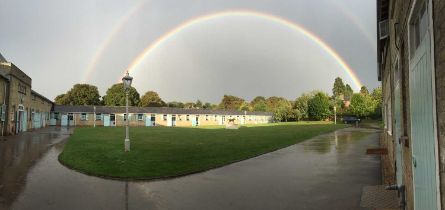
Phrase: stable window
(207, 117)
(164, 117)
(99, 116)
(216, 117)
(140, 117)
(83, 116)
(70, 116)
(179, 117)
(418, 28)
(125, 117)
(187, 117)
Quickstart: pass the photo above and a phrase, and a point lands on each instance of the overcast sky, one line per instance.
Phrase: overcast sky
(56, 41)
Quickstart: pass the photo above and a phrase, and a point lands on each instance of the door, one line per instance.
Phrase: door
(64, 120)
(107, 121)
(173, 120)
(148, 120)
(112, 120)
(24, 121)
(422, 113)
(169, 120)
(197, 120)
(398, 124)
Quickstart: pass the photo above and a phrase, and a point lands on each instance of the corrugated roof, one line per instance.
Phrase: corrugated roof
(160, 110)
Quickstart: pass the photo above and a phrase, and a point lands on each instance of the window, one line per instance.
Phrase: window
(140, 117)
(216, 117)
(207, 117)
(70, 116)
(164, 117)
(22, 89)
(187, 117)
(388, 108)
(83, 116)
(179, 117)
(99, 116)
(125, 117)
(418, 28)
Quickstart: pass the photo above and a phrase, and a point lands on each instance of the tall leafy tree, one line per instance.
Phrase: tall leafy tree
(301, 104)
(348, 92)
(274, 102)
(364, 90)
(318, 106)
(229, 102)
(152, 99)
(260, 106)
(338, 90)
(80, 94)
(245, 107)
(62, 99)
(361, 105)
(115, 96)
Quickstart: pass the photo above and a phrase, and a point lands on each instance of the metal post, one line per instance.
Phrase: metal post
(335, 115)
(127, 138)
(94, 117)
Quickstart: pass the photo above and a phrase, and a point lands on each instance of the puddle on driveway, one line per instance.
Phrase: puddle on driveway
(326, 172)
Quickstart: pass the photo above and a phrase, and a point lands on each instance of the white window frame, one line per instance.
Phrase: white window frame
(140, 117)
(83, 117)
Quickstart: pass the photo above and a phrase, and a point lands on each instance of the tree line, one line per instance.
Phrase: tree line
(315, 105)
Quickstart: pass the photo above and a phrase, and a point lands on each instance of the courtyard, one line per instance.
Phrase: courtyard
(327, 171)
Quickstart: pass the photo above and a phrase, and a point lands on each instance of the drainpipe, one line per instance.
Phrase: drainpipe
(4, 102)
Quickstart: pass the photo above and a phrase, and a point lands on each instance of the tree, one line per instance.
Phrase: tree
(207, 105)
(274, 102)
(198, 104)
(116, 96)
(260, 106)
(175, 104)
(318, 106)
(338, 90)
(62, 99)
(245, 107)
(348, 92)
(364, 90)
(231, 102)
(377, 98)
(152, 99)
(361, 105)
(80, 94)
(301, 104)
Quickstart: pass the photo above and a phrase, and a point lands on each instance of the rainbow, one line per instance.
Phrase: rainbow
(245, 13)
(116, 29)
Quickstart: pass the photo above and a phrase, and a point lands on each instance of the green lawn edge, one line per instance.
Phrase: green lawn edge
(83, 154)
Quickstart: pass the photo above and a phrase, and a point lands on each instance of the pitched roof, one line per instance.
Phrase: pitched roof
(158, 110)
(2, 59)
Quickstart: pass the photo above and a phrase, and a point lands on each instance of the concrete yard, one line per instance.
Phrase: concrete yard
(326, 172)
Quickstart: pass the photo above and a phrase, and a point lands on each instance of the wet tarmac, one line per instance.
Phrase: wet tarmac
(326, 172)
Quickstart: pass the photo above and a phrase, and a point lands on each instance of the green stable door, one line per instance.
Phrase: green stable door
(422, 113)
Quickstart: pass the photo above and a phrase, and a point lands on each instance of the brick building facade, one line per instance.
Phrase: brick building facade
(411, 57)
(22, 108)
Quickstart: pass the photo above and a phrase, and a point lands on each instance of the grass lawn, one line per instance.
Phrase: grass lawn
(160, 152)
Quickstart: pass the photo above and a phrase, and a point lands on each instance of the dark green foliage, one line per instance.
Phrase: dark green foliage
(80, 94)
(116, 96)
(338, 90)
(231, 102)
(319, 106)
(152, 99)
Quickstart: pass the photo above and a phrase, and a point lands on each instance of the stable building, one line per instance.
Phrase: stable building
(22, 108)
(411, 61)
(67, 115)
